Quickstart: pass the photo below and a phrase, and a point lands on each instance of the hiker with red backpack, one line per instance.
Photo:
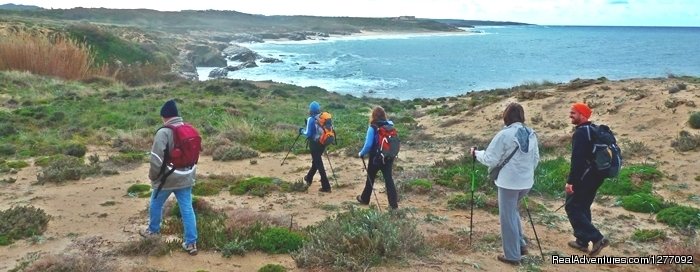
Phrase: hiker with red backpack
(174, 156)
(382, 145)
(317, 141)
(511, 157)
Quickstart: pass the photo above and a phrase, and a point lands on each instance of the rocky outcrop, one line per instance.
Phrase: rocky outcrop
(206, 55)
(218, 73)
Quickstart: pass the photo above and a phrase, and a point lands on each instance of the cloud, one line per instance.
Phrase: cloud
(618, 2)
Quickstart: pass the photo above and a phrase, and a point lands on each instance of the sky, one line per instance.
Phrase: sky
(542, 12)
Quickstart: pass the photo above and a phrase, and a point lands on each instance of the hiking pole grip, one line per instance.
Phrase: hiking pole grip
(533, 229)
(290, 149)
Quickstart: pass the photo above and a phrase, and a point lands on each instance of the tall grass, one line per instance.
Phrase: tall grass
(46, 55)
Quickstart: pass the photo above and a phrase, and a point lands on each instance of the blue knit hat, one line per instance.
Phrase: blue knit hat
(314, 108)
(169, 109)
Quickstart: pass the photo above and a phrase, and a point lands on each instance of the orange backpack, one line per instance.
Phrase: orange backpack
(325, 132)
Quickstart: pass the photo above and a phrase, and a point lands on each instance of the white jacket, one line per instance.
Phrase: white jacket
(519, 172)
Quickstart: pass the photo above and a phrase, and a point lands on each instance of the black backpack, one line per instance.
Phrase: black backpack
(607, 156)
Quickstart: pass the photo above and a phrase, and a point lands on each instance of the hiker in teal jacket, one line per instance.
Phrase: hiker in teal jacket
(376, 162)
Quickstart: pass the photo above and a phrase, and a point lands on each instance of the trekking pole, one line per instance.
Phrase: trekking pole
(290, 149)
(335, 180)
(373, 192)
(533, 229)
(565, 203)
(471, 216)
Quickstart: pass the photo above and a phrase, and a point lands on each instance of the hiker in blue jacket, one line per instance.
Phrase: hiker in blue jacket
(582, 184)
(376, 162)
(515, 179)
(316, 149)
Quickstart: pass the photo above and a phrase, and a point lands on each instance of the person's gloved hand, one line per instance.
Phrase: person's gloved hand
(301, 130)
(359, 154)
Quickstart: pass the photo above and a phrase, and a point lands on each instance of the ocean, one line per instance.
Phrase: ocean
(408, 66)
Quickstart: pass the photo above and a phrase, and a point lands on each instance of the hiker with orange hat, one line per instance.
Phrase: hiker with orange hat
(583, 183)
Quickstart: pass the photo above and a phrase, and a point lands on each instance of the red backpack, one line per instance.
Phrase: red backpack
(187, 146)
(388, 143)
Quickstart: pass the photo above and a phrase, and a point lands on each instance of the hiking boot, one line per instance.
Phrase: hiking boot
(523, 251)
(504, 260)
(324, 190)
(359, 199)
(598, 246)
(190, 249)
(307, 180)
(576, 245)
(146, 233)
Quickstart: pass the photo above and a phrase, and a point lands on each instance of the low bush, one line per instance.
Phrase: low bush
(636, 178)
(643, 235)
(257, 186)
(420, 186)
(686, 141)
(152, 246)
(64, 168)
(272, 268)
(233, 152)
(21, 222)
(680, 216)
(643, 202)
(694, 120)
(550, 176)
(359, 239)
(139, 190)
(278, 240)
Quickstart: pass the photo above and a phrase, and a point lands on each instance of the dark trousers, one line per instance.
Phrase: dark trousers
(372, 169)
(317, 164)
(579, 210)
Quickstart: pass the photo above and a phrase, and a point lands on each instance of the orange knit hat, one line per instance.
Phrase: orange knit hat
(583, 109)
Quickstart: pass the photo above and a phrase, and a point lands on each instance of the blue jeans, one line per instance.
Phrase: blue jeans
(184, 200)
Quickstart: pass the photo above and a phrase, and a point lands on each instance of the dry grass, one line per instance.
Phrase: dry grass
(46, 55)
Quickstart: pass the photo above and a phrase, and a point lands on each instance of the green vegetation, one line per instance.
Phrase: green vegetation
(272, 268)
(21, 222)
(278, 240)
(550, 176)
(643, 202)
(635, 178)
(261, 186)
(359, 239)
(694, 120)
(420, 186)
(680, 216)
(139, 189)
(63, 168)
(644, 235)
(686, 141)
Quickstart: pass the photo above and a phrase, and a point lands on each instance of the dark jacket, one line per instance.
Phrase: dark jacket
(581, 154)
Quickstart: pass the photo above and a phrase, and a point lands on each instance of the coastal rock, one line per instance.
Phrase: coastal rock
(218, 73)
(240, 53)
(244, 65)
(270, 60)
(206, 55)
(247, 38)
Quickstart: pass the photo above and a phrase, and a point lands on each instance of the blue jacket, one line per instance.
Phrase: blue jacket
(310, 130)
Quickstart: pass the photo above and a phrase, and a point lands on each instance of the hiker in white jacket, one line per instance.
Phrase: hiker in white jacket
(515, 178)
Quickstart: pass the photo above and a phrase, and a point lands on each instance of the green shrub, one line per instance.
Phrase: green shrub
(21, 222)
(642, 235)
(636, 178)
(680, 216)
(16, 164)
(272, 268)
(278, 240)
(694, 120)
(463, 201)
(236, 247)
(686, 141)
(75, 150)
(153, 246)
(419, 185)
(235, 152)
(359, 239)
(138, 189)
(208, 187)
(257, 186)
(65, 168)
(550, 176)
(643, 202)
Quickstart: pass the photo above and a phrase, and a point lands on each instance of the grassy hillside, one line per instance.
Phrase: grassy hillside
(230, 21)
